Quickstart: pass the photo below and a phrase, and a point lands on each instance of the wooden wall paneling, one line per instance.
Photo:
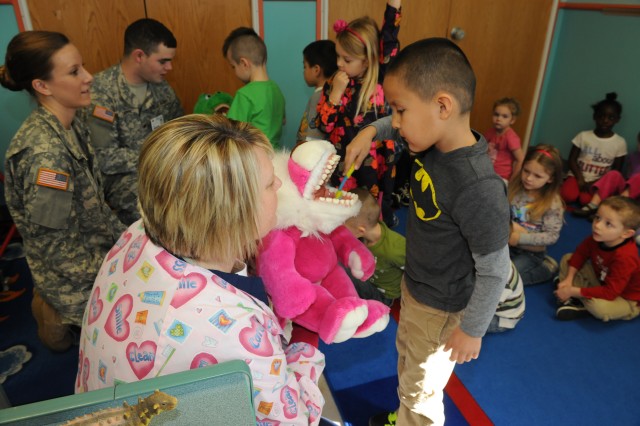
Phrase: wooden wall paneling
(96, 27)
(423, 19)
(420, 18)
(504, 42)
(200, 27)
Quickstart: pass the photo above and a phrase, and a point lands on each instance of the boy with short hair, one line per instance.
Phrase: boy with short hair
(388, 247)
(320, 62)
(260, 102)
(602, 277)
(457, 229)
(505, 148)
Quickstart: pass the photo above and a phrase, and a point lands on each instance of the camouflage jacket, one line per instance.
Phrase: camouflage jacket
(118, 138)
(55, 196)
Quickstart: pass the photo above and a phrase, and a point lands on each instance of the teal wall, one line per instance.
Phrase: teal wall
(591, 54)
(14, 106)
(288, 27)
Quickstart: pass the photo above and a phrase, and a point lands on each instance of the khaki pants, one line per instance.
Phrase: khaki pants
(52, 332)
(605, 310)
(423, 366)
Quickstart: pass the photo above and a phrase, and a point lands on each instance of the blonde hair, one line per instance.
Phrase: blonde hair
(369, 213)
(627, 208)
(199, 187)
(549, 158)
(364, 48)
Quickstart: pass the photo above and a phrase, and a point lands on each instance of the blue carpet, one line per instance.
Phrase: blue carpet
(46, 375)
(362, 376)
(544, 372)
(556, 373)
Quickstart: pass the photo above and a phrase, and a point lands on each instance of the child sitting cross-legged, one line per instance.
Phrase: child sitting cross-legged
(387, 246)
(602, 277)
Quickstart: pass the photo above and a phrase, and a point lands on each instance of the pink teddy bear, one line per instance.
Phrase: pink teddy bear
(302, 261)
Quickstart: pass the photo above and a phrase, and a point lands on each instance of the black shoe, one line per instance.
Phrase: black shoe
(384, 419)
(551, 264)
(395, 200)
(571, 309)
(556, 280)
(585, 211)
(405, 196)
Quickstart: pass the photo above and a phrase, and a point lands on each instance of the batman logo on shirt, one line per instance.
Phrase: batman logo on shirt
(425, 203)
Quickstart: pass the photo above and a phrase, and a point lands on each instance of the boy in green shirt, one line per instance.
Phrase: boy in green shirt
(260, 102)
(388, 247)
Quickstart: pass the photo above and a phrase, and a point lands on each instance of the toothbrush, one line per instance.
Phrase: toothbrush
(344, 180)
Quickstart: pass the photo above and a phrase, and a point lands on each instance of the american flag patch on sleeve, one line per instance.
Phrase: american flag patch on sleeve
(104, 114)
(53, 179)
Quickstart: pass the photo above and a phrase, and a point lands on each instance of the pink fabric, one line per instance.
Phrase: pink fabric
(613, 183)
(634, 186)
(570, 192)
(299, 175)
(308, 285)
(151, 314)
(500, 150)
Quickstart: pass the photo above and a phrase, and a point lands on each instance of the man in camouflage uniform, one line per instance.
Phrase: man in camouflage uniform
(129, 100)
(55, 196)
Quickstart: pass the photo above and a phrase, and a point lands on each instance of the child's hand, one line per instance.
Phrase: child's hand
(463, 347)
(339, 85)
(566, 290)
(359, 148)
(514, 236)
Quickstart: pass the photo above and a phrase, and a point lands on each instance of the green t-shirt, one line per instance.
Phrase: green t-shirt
(260, 103)
(390, 252)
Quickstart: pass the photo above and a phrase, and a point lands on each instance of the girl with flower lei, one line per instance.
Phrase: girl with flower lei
(352, 98)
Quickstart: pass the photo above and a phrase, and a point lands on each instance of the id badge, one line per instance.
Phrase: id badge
(157, 122)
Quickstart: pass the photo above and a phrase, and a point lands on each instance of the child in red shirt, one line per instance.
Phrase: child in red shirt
(505, 149)
(602, 277)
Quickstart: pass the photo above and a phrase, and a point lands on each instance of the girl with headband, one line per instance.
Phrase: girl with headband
(536, 213)
(353, 98)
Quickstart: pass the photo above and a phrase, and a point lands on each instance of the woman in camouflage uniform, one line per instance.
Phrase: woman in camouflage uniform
(53, 184)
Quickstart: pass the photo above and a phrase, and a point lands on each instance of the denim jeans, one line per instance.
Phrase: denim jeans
(530, 265)
(494, 327)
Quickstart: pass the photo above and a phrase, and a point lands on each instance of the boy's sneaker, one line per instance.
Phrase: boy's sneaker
(405, 196)
(571, 309)
(384, 419)
(586, 211)
(551, 264)
(395, 200)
